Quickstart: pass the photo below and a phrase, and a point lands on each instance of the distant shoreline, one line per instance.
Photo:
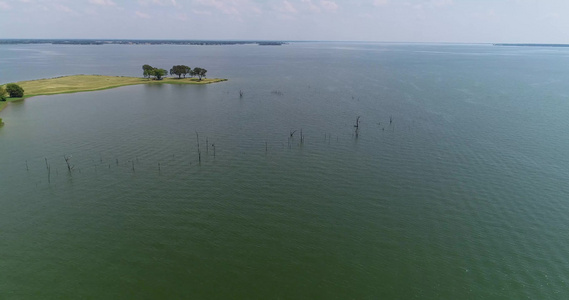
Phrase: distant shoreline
(533, 45)
(136, 42)
(89, 83)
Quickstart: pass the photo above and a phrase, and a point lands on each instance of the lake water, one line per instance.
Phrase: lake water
(463, 195)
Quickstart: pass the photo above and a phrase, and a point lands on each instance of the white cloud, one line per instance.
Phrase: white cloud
(322, 5)
(182, 17)
(90, 11)
(287, 7)
(380, 2)
(414, 6)
(224, 6)
(256, 10)
(158, 2)
(63, 8)
(311, 6)
(231, 7)
(440, 3)
(429, 4)
(4, 5)
(329, 5)
(201, 12)
(142, 15)
(103, 2)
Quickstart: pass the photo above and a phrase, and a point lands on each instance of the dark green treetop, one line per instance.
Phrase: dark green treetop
(147, 70)
(180, 70)
(14, 90)
(159, 73)
(2, 94)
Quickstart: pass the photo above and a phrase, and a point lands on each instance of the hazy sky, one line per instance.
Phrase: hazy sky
(536, 21)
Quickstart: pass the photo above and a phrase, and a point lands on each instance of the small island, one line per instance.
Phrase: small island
(86, 83)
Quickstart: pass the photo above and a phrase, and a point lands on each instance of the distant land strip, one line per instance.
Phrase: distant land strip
(135, 42)
(86, 83)
(533, 45)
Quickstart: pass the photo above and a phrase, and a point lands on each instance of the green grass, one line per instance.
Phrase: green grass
(85, 83)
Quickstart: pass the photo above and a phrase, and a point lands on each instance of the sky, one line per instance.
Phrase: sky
(450, 21)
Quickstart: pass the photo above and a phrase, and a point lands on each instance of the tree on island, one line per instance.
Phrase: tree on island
(159, 73)
(180, 70)
(2, 94)
(14, 90)
(200, 72)
(148, 70)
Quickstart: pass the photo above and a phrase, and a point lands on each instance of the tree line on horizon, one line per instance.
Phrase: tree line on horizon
(180, 70)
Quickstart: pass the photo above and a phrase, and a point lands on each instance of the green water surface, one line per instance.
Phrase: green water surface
(463, 195)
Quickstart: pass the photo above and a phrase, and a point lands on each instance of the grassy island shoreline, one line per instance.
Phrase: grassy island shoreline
(89, 83)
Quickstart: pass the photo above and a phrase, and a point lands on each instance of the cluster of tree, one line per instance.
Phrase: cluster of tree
(180, 70)
(149, 71)
(13, 90)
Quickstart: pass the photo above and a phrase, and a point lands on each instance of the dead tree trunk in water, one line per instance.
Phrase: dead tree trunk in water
(48, 171)
(290, 137)
(199, 152)
(69, 166)
(292, 133)
(357, 126)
